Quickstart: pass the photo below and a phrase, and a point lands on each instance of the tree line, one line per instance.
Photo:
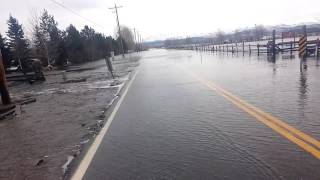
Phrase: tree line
(257, 33)
(239, 35)
(56, 47)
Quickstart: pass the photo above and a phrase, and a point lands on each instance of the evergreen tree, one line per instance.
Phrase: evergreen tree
(87, 35)
(116, 46)
(74, 45)
(17, 43)
(62, 54)
(101, 45)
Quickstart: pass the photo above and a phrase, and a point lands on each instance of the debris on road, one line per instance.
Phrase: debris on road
(6, 110)
(66, 165)
(74, 80)
(39, 162)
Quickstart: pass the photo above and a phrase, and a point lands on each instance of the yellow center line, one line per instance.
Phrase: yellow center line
(301, 139)
(275, 120)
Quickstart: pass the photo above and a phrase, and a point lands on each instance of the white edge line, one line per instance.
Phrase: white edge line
(85, 162)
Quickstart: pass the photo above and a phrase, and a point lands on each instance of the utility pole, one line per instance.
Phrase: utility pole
(140, 47)
(119, 31)
(135, 39)
(140, 42)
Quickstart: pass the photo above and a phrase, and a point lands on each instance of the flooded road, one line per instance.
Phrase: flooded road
(192, 115)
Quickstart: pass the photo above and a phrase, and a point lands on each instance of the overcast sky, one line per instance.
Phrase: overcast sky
(159, 19)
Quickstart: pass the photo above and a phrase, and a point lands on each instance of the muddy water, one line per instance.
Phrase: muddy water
(171, 126)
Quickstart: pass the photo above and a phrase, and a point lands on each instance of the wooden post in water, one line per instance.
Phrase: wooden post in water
(294, 39)
(250, 49)
(281, 40)
(317, 46)
(258, 47)
(223, 48)
(242, 48)
(303, 42)
(232, 48)
(304, 28)
(273, 48)
(237, 47)
(227, 48)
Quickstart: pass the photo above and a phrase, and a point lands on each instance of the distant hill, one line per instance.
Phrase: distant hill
(246, 34)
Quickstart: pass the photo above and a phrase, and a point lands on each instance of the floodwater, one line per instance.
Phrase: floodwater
(171, 126)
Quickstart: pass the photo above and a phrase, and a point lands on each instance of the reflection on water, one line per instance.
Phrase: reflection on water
(282, 87)
(303, 85)
(182, 130)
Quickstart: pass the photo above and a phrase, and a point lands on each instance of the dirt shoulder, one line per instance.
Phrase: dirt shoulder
(44, 137)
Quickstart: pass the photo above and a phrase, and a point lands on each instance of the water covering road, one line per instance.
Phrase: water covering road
(172, 126)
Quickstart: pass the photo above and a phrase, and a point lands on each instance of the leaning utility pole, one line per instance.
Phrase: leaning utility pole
(119, 31)
(5, 97)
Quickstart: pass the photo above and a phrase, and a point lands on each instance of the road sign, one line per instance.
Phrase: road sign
(303, 46)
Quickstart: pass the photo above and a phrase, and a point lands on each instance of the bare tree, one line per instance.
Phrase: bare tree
(260, 32)
(38, 38)
(128, 37)
(237, 36)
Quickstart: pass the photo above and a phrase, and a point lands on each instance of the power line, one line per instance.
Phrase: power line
(76, 13)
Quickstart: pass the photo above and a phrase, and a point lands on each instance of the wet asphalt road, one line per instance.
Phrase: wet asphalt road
(171, 126)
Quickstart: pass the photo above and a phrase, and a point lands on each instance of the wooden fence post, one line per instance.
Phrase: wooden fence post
(273, 45)
(317, 46)
(242, 48)
(294, 39)
(237, 47)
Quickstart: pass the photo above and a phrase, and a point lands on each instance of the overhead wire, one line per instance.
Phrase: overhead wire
(76, 13)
